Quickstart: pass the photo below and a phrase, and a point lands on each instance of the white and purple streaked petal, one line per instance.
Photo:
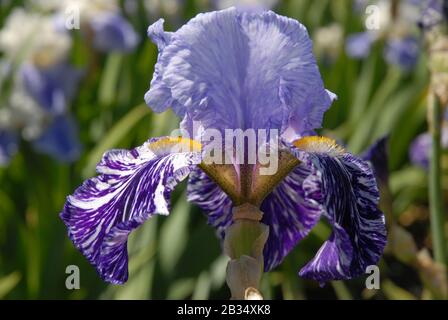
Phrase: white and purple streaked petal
(51, 87)
(402, 52)
(8, 146)
(112, 32)
(350, 204)
(290, 210)
(60, 140)
(359, 45)
(237, 69)
(131, 187)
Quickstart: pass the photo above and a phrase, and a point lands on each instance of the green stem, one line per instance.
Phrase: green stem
(435, 185)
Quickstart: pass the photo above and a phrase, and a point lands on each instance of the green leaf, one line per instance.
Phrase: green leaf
(114, 136)
(8, 283)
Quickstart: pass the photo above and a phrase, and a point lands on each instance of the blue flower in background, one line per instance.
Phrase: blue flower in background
(403, 52)
(232, 69)
(112, 32)
(434, 12)
(399, 30)
(8, 146)
(358, 45)
(60, 139)
(51, 87)
(420, 149)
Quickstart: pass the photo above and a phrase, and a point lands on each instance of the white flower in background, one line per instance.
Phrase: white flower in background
(23, 113)
(328, 42)
(159, 8)
(88, 9)
(33, 37)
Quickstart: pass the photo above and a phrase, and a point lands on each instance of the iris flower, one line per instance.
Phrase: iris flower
(240, 70)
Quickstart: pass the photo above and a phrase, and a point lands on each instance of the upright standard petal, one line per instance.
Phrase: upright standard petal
(236, 69)
(132, 186)
(113, 33)
(350, 204)
(290, 210)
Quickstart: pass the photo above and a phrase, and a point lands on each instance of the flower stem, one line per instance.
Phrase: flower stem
(435, 184)
(244, 243)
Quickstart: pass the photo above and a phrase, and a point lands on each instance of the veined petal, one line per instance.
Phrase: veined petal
(131, 187)
(350, 204)
(236, 69)
(290, 210)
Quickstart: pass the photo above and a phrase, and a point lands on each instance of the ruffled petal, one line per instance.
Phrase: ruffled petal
(290, 210)
(131, 187)
(237, 69)
(350, 204)
(112, 32)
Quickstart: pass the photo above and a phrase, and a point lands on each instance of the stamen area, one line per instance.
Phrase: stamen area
(319, 144)
(175, 144)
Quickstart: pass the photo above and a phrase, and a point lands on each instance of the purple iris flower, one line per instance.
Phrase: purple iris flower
(51, 87)
(235, 69)
(402, 52)
(112, 32)
(8, 146)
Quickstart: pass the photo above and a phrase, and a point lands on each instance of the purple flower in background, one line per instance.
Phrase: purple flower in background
(420, 149)
(358, 45)
(402, 52)
(398, 30)
(112, 32)
(434, 12)
(8, 146)
(51, 87)
(60, 140)
(223, 70)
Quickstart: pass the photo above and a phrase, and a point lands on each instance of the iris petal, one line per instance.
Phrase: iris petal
(350, 204)
(234, 69)
(132, 186)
